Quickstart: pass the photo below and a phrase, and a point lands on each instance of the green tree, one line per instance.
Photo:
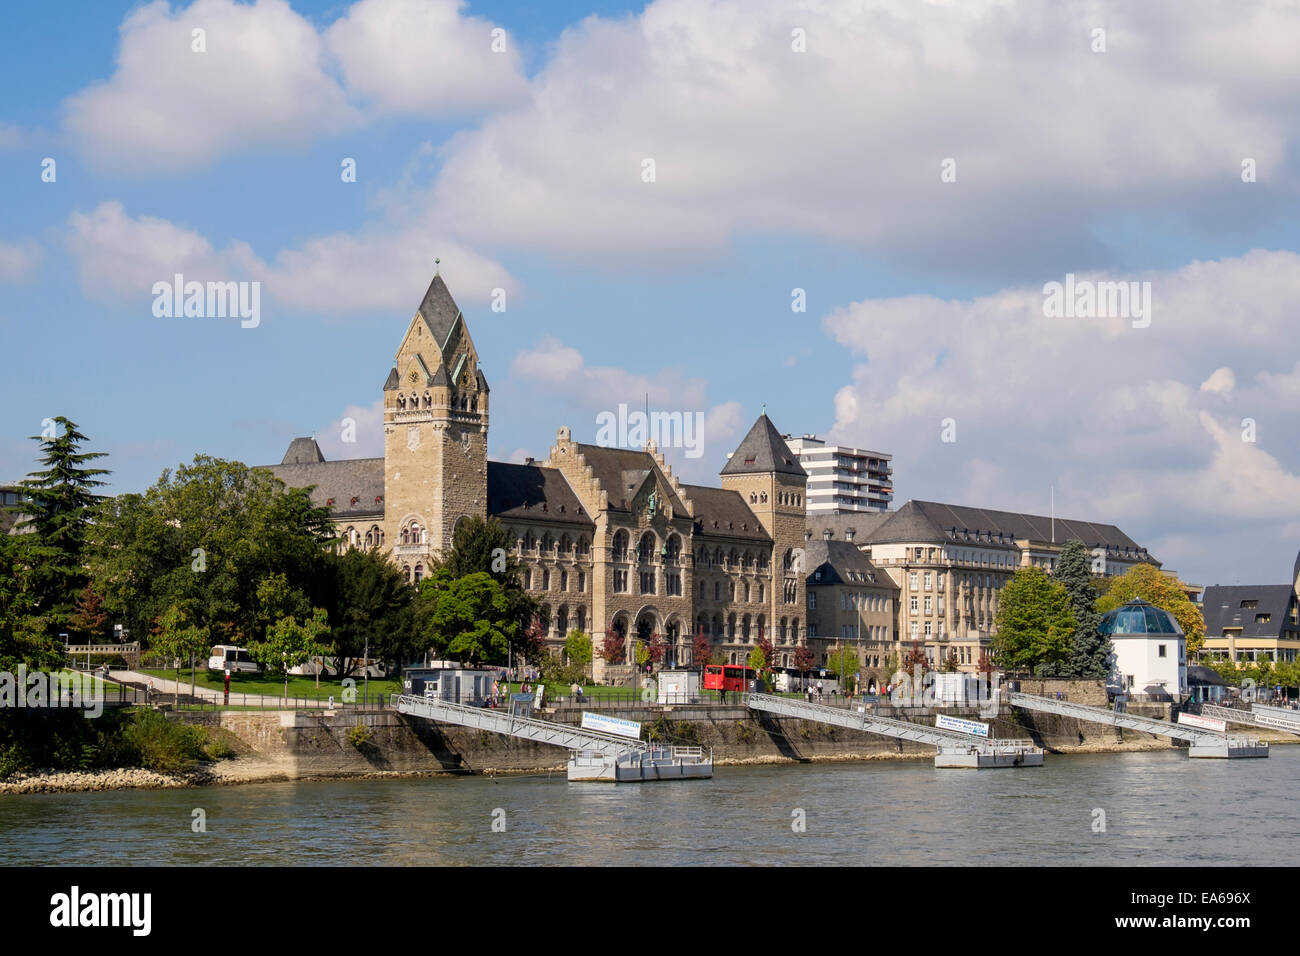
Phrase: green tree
(177, 637)
(205, 538)
(757, 660)
(578, 648)
(843, 663)
(290, 642)
(484, 545)
(371, 608)
(1090, 650)
(1034, 623)
(24, 635)
(60, 506)
(1164, 591)
(468, 618)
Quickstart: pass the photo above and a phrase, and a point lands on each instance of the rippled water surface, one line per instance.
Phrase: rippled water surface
(1160, 808)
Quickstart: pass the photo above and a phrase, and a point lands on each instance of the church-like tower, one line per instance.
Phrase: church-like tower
(435, 432)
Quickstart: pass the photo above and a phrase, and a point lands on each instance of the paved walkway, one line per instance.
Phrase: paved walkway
(164, 689)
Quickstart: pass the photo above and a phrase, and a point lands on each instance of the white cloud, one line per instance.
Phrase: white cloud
(18, 259)
(121, 256)
(365, 430)
(1140, 427)
(1220, 382)
(11, 137)
(737, 123)
(424, 57)
(263, 80)
(269, 79)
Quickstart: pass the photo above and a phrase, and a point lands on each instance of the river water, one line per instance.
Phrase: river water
(1160, 809)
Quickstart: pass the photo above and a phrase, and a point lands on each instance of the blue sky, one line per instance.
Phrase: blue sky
(776, 169)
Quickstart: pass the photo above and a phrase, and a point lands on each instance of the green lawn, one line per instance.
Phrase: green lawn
(304, 687)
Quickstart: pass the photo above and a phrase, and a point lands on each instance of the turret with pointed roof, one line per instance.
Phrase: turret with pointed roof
(435, 430)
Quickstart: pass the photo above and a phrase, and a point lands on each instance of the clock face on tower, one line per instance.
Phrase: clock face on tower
(414, 376)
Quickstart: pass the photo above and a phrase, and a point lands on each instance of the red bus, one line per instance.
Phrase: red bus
(729, 677)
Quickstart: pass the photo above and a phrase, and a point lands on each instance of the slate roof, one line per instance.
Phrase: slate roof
(931, 522)
(728, 509)
(303, 451)
(533, 493)
(836, 560)
(337, 483)
(439, 310)
(761, 451)
(1222, 608)
(863, 524)
(620, 472)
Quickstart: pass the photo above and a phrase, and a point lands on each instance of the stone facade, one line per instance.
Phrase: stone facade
(610, 539)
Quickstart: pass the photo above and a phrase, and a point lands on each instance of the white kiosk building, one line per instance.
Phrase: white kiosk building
(1150, 659)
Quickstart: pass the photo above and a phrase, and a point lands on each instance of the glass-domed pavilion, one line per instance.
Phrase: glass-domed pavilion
(1150, 651)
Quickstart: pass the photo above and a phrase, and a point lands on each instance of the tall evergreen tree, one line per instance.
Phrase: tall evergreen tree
(60, 502)
(1090, 651)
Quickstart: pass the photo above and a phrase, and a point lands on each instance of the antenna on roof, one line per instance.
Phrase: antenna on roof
(1053, 514)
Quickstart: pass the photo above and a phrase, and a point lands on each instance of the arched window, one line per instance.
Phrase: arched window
(401, 403)
(530, 542)
(645, 549)
(548, 543)
(620, 545)
(583, 546)
(744, 628)
(731, 627)
(428, 402)
(566, 545)
(673, 550)
(753, 498)
(406, 569)
(419, 572)
(582, 618)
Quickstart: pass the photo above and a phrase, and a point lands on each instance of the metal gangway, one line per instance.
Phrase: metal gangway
(1271, 719)
(1203, 742)
(530, 728)
(945, 741)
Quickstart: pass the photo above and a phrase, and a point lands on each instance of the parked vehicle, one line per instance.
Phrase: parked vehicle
(234, 659)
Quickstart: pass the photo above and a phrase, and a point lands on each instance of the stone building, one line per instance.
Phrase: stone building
(950, 563)
(851, 604)
(610, 539)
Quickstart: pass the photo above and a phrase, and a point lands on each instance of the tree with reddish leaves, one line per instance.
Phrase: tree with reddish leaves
(614, 647)
(985, 665)
(656, 648)
(701, 650)
(915, 659)
(89, 617)
(804, 660)
(769, 653)
(533, 645)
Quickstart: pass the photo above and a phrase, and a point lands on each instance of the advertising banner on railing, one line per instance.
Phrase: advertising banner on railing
(973, 727)
(1203, 723)
(611, 725)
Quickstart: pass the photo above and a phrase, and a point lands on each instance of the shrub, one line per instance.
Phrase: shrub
(359, 734)
(159, 744)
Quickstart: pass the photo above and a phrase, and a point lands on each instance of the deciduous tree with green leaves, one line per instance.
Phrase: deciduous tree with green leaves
(290, 642)
(179, 638)
(467, 618)
(578, 649)
(1146, 581)
(1034, 623)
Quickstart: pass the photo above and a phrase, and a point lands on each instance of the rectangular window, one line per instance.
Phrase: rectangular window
(647, 582)
(927, 580)
(929, 629)
(546, 579)
(913, 604)
(844, 601)
(564, 580)
(941, 577)
(1162, 650)
(911, 581)
(929, 608)
(582, 582)
(812, 600)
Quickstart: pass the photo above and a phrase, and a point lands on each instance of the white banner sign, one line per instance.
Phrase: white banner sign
(1205, 723)
(611, 725)
(973, 727)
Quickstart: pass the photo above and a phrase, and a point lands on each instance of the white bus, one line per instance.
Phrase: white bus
(235, 659)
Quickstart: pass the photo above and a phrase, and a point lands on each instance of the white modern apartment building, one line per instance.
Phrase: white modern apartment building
(843, 480)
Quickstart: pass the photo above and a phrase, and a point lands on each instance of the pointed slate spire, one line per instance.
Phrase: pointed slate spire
(763, 451)
(439, 310)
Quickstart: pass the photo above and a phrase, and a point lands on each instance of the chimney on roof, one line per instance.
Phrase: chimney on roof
(530, 460)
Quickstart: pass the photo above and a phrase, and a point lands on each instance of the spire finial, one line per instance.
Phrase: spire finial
(765, 409)
(436, 260)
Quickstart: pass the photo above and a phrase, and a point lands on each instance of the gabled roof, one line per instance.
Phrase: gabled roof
(762, 451)
(620, 472)
(931, 522)
(842, 563)
(728, 510)
(337, 483)
(439, 311)
(1221, 606)
(533, 493)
